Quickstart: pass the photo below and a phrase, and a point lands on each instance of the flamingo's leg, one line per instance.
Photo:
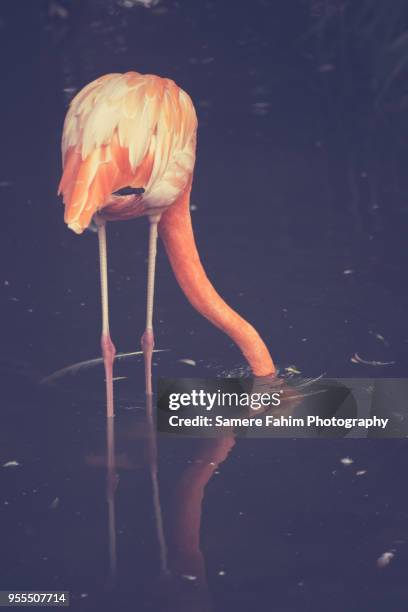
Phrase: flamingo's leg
(108, 348)
(147, 340)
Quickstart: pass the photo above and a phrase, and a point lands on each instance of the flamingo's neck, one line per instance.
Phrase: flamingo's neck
(177, 233)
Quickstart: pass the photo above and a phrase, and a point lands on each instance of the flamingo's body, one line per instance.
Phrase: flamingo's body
(126, 130)
(140, 131)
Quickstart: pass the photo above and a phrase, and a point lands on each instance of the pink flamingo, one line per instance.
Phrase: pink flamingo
(128, 150)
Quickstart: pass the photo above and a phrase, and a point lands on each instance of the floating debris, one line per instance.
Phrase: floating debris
(347, 461)
(133, 3)
(348, 271)
(57, 10)
(326, 68)
(119, 378)
(379, 337)
(5, 183)
(188, 577)
(292, 369)
(221, 573)
(190, 362)
(55, 503)
(11, 464)
(260, 108)
(357, 359)
(385, 559)
(361, 472)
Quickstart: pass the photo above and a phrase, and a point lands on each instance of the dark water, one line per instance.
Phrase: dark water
(313, 253)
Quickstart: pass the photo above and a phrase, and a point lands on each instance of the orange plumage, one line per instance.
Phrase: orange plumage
(126, 130)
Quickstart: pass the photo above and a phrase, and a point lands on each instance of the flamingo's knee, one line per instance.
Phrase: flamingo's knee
(108, 349)
(147, 341)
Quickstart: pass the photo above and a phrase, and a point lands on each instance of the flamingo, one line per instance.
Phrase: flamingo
(128, 150)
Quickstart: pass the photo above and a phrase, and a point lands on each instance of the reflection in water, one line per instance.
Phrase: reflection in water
(183, 580)
(111, 485)
(153, 467)
(183, 584)
(182, 569)
(189, 590)
(112, 480)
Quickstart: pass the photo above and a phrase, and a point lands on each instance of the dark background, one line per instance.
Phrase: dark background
(300, 210)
